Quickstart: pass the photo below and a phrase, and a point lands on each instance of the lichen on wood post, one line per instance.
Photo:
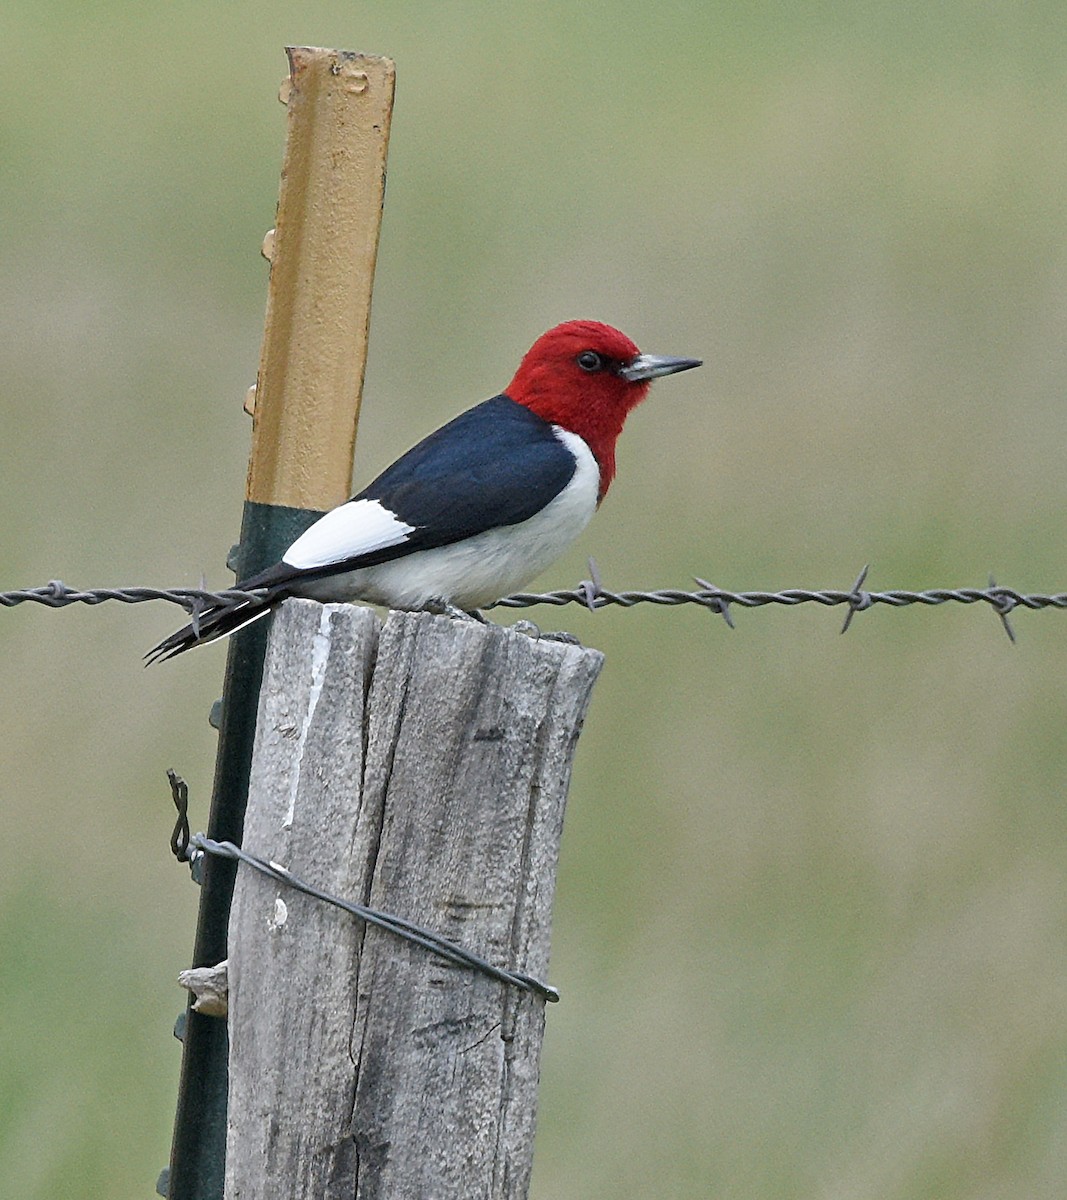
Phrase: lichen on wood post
(420, 767)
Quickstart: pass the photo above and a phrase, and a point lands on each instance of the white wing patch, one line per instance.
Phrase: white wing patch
(358, 527)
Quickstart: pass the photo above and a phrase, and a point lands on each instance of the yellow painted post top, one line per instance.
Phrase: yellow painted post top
(322, 255)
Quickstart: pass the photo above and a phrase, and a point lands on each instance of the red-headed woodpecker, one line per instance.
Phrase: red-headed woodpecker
(480, 507)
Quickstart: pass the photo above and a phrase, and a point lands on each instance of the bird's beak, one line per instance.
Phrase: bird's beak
(652, 366)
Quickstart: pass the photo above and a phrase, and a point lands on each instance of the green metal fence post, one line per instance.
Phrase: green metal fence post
(305, 415)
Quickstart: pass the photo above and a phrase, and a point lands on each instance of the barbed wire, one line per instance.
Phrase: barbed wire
(191, 848)
(593, 595)
(56, 594)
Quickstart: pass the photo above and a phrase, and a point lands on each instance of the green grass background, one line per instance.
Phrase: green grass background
(811, 929)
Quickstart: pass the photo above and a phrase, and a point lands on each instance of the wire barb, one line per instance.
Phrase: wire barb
(715, 601)
(1003, 606)
(857, 600)
(181, 841)
(591, 587)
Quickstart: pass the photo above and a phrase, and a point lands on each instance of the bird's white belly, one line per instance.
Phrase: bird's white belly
(482, 568)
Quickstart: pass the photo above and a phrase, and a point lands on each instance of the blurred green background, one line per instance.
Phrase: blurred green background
(812, 911)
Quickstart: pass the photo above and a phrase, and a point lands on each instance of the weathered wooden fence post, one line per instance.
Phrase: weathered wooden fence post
(420, 767)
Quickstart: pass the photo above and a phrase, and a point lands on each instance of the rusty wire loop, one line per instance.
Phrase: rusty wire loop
(592, 595)
(191, 848)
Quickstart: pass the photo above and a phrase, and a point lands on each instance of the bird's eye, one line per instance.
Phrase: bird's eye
(590, 361)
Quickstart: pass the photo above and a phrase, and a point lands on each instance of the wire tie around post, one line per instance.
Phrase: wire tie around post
(715, 602)
(179, 838)
(181, 841)
(857, 600)
(1003, 605)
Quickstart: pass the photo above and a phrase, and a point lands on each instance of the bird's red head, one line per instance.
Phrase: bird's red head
(586, 377)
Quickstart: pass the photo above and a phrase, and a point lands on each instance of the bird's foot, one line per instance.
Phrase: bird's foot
(535, 634)
(445, 608)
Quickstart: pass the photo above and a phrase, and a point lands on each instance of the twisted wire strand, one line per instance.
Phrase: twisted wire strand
(56, 594)
(715, 597)
(1003, 599)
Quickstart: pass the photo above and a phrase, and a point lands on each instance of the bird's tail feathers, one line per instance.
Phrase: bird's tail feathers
(210, 626)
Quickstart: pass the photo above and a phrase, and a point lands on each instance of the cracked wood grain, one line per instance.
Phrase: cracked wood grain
(421, 767)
